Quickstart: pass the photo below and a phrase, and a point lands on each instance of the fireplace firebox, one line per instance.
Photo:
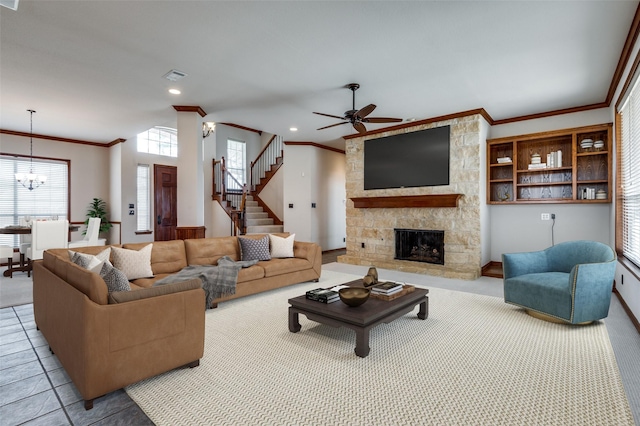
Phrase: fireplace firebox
(419, 245)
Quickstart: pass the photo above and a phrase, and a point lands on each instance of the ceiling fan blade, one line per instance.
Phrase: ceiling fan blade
(363, 112)
(329, 115)
(382, 120)
(332, 125)
(359, 127)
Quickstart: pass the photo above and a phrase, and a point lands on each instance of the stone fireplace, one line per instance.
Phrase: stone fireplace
(418, 245)
(371, 225)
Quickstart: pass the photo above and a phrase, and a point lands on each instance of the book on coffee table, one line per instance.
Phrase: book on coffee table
(386, 288)
(323, 295)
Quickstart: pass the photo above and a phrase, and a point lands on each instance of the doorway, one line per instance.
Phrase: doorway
(166, 202)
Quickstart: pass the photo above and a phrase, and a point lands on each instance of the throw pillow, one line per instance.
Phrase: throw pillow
(134, 263)
(115, 279)
(281, 247)
(88, 261)
(252, 249)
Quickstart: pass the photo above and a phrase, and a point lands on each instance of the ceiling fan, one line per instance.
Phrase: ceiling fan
(358, 117)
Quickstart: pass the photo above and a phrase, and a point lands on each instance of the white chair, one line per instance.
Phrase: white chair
(91, 236)
(25, 241)
(47, 234)
(6, 252)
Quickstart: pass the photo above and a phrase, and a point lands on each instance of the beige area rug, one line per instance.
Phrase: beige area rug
(15, 291)
(474, 361)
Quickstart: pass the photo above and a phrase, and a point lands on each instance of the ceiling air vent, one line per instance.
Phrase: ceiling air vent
(175, 75)
(11, 4)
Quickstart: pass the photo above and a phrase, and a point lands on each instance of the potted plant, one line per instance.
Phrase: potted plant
(98, 208)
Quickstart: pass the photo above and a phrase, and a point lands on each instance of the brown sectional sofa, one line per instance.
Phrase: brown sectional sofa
(101, 339)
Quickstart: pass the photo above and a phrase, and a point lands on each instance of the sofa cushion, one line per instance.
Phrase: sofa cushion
(281, 247)
(148, 282)
(134, 263)
(128, 296)
(284, 266)
(167, 257)
(254, 272)
(115, 279)
(254, 249)
(207, 251)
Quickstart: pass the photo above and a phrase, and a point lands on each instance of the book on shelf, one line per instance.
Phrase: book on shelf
(386, 288)
(537, 166)
(503, 160)
(554, 159)
(322, 295)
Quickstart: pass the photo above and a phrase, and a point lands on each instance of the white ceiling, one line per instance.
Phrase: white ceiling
(93, 69)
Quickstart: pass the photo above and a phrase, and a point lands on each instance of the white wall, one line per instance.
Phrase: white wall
(115, 183)
(518, 228)
(129, 160)
(315, 175)
(273, 194)
(220, 225)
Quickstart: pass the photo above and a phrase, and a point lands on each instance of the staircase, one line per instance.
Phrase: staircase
(251, 216)
(257, 220)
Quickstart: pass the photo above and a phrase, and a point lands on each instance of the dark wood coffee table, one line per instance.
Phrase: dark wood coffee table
(361, 318)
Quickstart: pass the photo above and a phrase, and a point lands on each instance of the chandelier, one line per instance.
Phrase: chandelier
(30, 180)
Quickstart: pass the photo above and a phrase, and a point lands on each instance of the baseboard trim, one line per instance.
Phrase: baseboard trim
(492, 269)
(334, 250)
(626, 308)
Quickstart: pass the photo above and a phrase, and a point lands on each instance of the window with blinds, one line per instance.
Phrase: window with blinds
(143, 220)
(46, 201)
(628, 226)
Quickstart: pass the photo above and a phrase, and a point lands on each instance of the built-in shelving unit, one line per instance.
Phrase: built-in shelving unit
(568, 171)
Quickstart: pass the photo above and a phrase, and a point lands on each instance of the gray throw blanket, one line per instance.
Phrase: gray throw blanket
(217, 281)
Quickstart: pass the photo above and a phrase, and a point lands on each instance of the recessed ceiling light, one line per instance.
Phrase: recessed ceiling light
(410, 119)
(174, 91)
(293, 129)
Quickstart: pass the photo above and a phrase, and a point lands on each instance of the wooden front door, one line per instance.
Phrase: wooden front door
(166, 202)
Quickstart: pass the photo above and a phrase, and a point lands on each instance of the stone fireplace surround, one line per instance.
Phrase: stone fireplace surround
(370, 227)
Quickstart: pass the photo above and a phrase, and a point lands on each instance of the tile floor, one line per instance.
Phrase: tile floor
(35, 389)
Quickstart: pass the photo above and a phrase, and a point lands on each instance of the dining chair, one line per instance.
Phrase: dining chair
(46, 234)
(25, 242)
(6, 252)
(90, 236)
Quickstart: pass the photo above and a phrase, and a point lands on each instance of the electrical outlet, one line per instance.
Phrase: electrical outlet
(553, 216)
(545, 216)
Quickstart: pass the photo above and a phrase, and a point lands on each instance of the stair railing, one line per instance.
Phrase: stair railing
(267, 157)
(230, 193)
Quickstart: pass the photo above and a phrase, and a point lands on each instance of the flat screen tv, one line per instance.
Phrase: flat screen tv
(407, 160)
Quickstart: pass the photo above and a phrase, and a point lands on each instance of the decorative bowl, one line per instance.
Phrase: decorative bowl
(598, 144)
(354, 296)
(586, 143)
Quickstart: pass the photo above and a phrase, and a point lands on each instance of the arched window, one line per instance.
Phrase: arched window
(160, 141)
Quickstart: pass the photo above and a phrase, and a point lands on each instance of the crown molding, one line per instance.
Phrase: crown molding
(59, 139)
(190, 108)
(315, 145)
(237, 126)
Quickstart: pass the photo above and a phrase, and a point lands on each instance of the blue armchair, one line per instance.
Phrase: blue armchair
(570, 282)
